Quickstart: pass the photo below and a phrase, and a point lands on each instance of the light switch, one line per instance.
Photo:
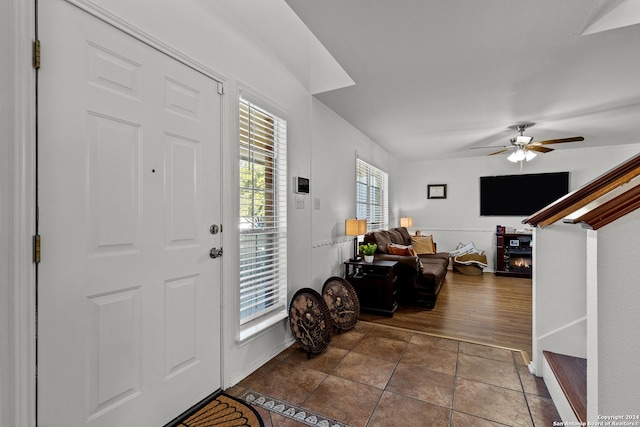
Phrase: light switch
(299, 202)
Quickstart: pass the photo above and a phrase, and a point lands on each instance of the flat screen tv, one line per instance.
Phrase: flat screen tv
(521, 195)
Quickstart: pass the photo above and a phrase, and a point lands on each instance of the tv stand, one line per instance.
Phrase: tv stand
(514, 255)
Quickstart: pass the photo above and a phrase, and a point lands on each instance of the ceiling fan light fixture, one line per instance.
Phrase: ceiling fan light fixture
(523, 139)
(516, 156)
(520, 155)
(523, 148)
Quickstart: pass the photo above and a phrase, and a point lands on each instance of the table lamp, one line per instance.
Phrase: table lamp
(406, 221)
(355, 227)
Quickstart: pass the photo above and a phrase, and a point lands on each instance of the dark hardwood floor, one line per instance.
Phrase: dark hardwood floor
(486, 309)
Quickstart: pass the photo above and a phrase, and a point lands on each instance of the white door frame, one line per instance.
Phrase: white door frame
(21, 354)
(21, 402)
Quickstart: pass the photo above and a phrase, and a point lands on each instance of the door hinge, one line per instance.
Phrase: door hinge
(36, 248)
(36, 54)
(220, 89)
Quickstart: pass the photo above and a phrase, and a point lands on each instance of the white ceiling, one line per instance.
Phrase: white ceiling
(435, 78)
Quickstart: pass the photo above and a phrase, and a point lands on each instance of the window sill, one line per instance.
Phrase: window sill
(249, 331)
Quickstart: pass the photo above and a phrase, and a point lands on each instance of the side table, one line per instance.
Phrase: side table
(375, 285)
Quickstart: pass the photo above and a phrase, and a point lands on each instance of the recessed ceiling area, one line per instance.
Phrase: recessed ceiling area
(435, 79)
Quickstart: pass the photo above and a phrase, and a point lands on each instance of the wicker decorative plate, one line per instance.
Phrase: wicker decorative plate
(310, 320)
(342, 301)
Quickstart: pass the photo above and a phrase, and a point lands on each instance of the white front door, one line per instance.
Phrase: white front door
(129, 184)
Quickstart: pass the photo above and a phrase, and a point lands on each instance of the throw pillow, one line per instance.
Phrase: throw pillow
(399, 250)
(423, 244)
(380, 238)
(395, 236)
(406, 237)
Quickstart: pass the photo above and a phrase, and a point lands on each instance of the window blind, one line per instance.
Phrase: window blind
(263, 212)
(372, 198)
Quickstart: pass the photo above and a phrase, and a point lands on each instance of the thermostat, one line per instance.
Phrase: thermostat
(301, 185)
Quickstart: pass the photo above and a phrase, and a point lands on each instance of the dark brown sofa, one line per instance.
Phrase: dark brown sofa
(420, 278)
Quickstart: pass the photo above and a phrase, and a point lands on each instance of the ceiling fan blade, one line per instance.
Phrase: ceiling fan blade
(498, 152)
(491, 146)
(558, 141)
(539, 149)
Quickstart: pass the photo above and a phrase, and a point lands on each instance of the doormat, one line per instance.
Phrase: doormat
(219, 410)
(288, 410)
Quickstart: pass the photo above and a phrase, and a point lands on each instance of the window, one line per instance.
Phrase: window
(263, 212)
(372, 199)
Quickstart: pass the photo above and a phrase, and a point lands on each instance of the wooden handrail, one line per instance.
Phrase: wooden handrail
(607, 212)
(588, 193)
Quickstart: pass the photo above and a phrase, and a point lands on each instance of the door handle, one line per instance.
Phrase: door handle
(215, 252)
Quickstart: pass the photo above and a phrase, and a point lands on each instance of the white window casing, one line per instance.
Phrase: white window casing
(263, 217)
(372, 195)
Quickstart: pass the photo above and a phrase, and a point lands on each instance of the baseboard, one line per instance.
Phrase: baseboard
(239, 376)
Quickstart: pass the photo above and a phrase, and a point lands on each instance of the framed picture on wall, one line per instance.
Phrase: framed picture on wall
(437, 191)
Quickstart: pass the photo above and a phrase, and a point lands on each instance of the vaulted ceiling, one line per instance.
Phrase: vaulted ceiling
(436, 79)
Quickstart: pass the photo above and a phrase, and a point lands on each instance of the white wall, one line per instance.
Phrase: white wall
(618, 317)
(457, 218)
(334, 146)
(559, 292)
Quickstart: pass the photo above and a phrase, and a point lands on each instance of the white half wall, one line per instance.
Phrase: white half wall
(559, 292)
(618, 342)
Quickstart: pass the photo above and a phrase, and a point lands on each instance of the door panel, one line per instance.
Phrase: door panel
(129, 173)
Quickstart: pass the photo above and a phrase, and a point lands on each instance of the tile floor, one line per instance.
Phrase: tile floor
(384, 377)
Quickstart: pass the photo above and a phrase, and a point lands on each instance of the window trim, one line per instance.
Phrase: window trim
(383, 224)
(259, 324)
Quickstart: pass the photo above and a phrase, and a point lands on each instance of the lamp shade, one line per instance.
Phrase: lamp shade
(517, 155)
(355, 227)
(406, 221)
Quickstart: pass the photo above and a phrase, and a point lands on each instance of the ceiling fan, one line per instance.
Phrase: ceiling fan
(523, 147)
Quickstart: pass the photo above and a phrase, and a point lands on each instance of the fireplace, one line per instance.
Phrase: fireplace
(520, 261)
(514, 254)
